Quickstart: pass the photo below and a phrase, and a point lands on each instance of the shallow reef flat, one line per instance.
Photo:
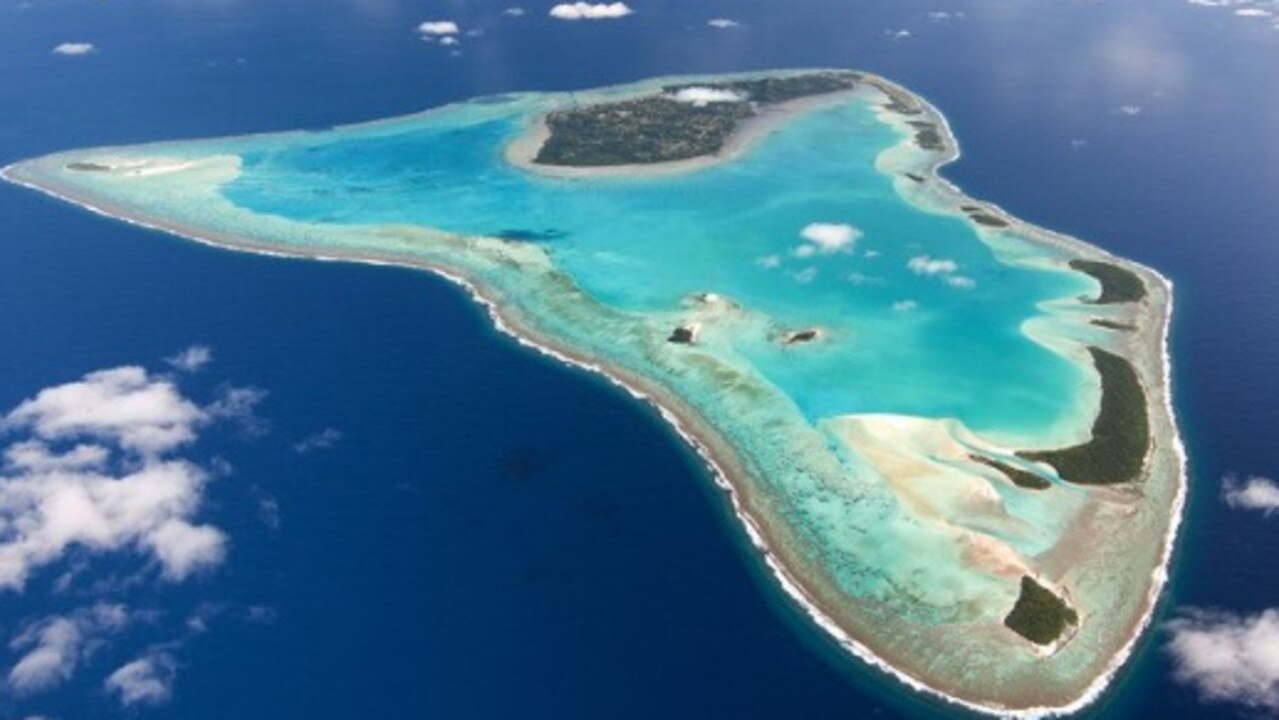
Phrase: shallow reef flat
(946, 432)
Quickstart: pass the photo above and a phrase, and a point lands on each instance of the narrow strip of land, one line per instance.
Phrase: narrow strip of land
(1020, 478)
(1116, 452)
(1118, 285)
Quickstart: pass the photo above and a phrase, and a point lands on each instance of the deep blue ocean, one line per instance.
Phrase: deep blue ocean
(498, 536)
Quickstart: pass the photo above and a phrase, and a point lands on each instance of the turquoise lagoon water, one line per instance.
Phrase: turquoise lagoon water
(608, 267)
(645, 245)
(376, 351)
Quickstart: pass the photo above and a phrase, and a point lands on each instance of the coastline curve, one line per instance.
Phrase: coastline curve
(726, 470)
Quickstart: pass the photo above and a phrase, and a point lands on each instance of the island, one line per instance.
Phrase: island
(682, 122)
(1039, 615)
(947, 433)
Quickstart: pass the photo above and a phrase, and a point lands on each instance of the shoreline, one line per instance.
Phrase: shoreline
(718, 456)
(1160, 574)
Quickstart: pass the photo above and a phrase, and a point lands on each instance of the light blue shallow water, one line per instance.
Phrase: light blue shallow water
(647, 244)
(886, 521)
(82, 293)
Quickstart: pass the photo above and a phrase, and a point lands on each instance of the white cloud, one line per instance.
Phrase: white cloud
(903, 306)
(36, 456)
(87, 470)
(702, 96)
(449, 41)
(961, 282)
(147, 680)
(74, 48)
(54, 646)
(438, 27)
(239, 405)
(514, 12)
(191, 359)
(123, 405)
(589, 11)
(261, 614)
(1228, 658)
(925, 265)
(769, 262)
(827, 238)
(1129, 110)
(723, 23)
(118, 492)
(198, 620)
(805, 276)
(147, 509)
(1264, 10)
(269, 512)
(944, 15)
(51, 661)
(322, 440)
(1139, 57)
(183, 548)
(898, 34)
(1255, 493)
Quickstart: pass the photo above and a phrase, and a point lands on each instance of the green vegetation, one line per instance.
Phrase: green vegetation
(682, 336)
(1117, 284)
(802, 336)
(1120, 434)
(1039, 615)
(898, 101)
(1112, 325)
(1020, 478)
(530, 235)
(927, 136)
(87, 167)
(659, 128)
(983, 218)
(646, 130)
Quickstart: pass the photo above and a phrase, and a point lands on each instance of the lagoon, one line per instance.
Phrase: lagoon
(939, 337)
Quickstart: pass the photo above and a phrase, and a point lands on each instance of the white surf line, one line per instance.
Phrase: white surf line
(1160, 574)
(789, 585)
